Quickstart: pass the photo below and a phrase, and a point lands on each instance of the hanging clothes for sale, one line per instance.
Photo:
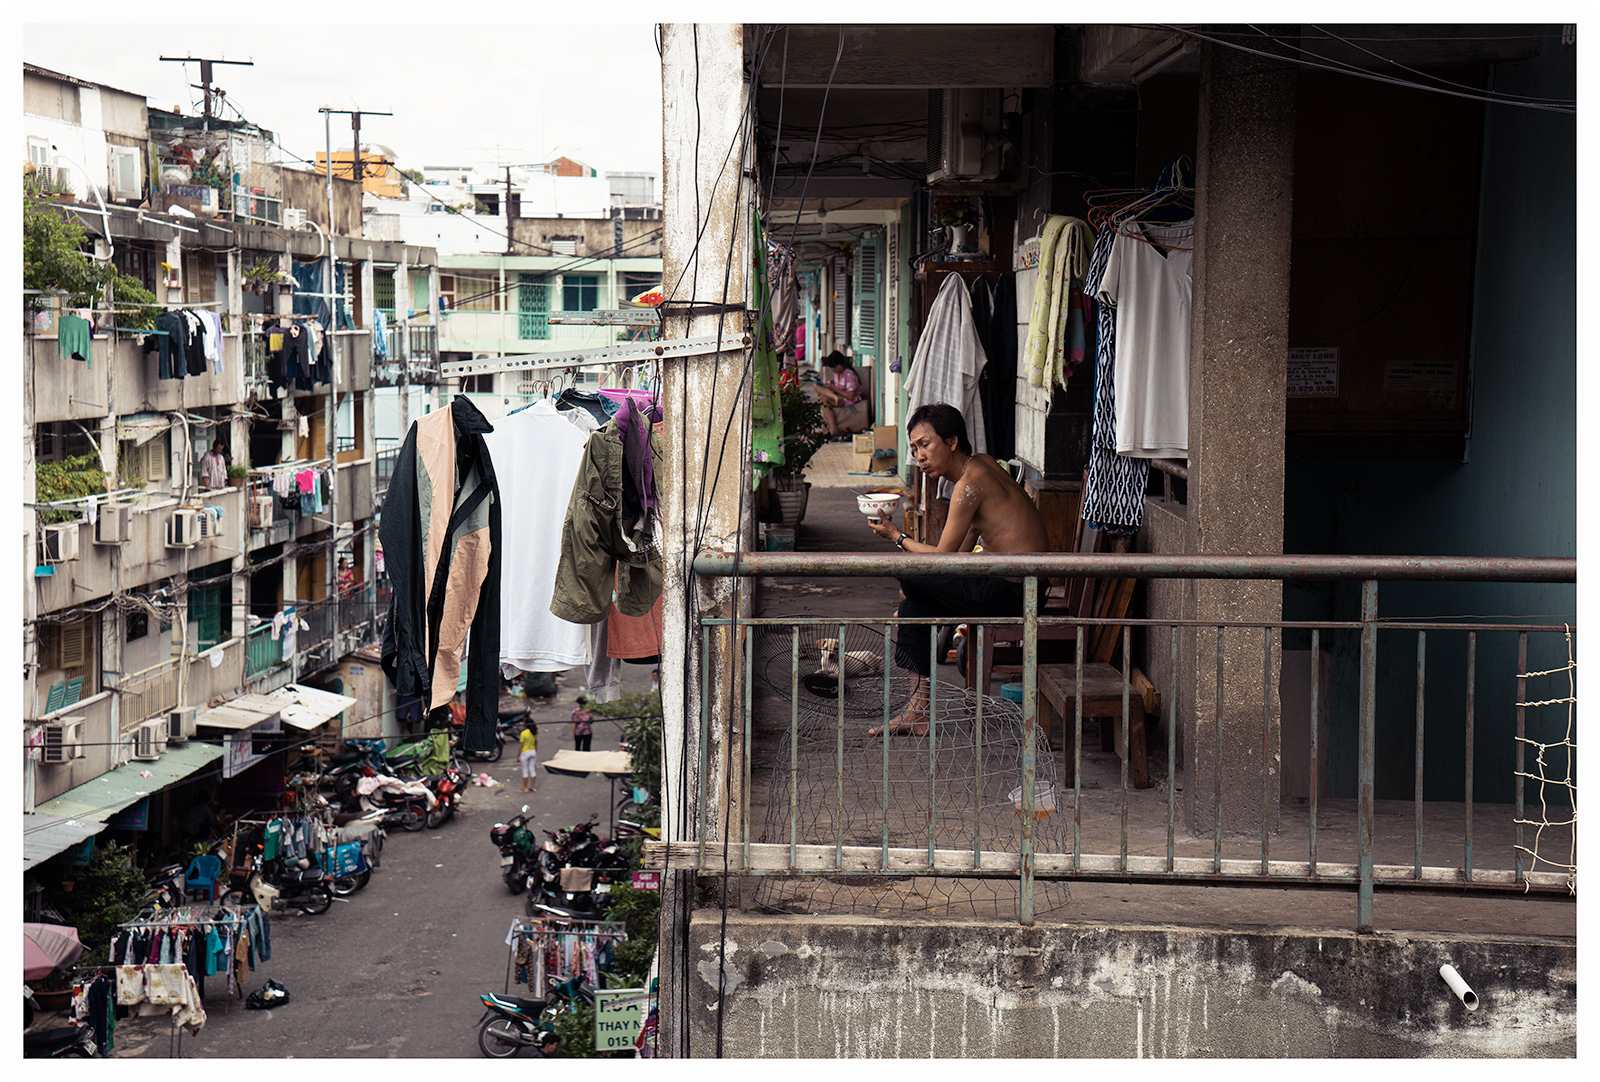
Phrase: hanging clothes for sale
(536, 455)
(609, 534)
(441, 536)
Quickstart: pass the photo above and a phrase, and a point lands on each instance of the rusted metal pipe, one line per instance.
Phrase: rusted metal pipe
(1143, 565)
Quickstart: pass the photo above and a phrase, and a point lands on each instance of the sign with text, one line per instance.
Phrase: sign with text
(646, 880)
(618, 1014)
(1437, 379)
(1314, 372)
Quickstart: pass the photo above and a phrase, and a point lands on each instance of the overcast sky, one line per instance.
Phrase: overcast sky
(475, 91)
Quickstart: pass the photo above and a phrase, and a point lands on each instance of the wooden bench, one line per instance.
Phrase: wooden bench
(1102, 698)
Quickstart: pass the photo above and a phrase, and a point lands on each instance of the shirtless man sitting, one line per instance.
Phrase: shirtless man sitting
(985, 503)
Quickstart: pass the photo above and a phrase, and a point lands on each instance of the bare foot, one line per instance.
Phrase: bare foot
(907, 724)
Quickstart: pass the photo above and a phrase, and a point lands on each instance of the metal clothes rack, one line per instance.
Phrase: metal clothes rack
(555, 926)
(181, 915)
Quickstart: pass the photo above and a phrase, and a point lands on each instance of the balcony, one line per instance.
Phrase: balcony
(140, 388)
(352, 496)
(355, 616)
(99, 748)
(470, 332)
(314, 646)
(149, 694)
(1000, 810)
(225, 680)
(68, 390)
(263, 653)
(352, 355)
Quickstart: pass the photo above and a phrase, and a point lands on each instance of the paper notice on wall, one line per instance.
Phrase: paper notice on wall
(1437, 379)
(1314, 372)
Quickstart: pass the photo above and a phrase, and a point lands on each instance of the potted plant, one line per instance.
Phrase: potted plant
(261, 274)
(957, 215)
(803, 434)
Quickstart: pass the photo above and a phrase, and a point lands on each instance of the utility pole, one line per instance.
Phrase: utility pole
(205, 76)
(510, 229)
(355, 127)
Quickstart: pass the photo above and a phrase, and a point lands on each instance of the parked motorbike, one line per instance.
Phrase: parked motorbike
(164, 888)
(512, 1023)
(516, 850)
(61, 1042)
(574, 870)
(448, 789)
(275, 887)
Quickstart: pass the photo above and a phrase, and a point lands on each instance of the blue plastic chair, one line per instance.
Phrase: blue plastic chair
(202, 874)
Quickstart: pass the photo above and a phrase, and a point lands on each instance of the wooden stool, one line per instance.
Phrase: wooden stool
(1102, 698)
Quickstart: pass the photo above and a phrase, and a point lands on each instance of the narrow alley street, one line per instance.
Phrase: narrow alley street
(394, 971)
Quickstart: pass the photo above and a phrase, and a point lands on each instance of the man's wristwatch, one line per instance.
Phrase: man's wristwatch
(900, 542)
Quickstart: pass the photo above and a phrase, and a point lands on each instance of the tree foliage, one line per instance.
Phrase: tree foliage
(54, 259)
(65, 480)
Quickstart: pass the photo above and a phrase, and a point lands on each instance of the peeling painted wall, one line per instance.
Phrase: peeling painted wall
(850, 987)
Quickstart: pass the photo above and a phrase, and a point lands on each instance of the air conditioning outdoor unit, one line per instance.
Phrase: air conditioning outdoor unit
(150, 739)
(210, 526)
(63, 740)
(261, 512)
(181, 724)
(183, 528)
(61, 543)
(959, 123)
(294, 218)
(114, 524)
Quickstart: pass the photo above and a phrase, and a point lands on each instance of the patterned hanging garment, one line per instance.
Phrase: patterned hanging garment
(1113, 486)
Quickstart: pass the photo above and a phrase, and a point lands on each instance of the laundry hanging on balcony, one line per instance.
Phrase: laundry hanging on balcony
(442, 544)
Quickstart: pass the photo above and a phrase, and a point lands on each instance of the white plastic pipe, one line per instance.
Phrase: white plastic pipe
(1466, 995)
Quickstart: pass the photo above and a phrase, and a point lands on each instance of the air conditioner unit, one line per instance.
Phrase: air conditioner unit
(63, 740)
(181, 724)
(959, 124)
(61, 543)
(210, 525)
(261, 511)
(150, 739)
(114, 524)
(294, 218)
(183, 528)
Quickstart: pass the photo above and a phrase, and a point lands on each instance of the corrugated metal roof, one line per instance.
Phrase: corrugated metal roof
(306, 708)
(97, 800)
(43, 836)
(238, 713)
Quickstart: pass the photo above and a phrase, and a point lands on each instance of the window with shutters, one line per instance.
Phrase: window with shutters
(533, 307)
(841, 304)
(868, 294)
(210, 612)
(68, 656)
(145, 463)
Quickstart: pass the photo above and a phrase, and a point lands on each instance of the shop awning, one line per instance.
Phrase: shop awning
(237, 714)
(43, 836)
(96, 801)
(306, 708)
(613, 764)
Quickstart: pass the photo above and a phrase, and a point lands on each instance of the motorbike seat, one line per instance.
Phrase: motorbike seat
(49, 1040)
(523, 1003)
(509, 712)
(302, 875)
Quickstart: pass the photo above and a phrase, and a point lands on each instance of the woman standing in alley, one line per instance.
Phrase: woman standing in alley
(582, 725)
(529, 757)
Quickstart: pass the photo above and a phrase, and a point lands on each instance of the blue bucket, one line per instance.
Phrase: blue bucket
(1012, 692)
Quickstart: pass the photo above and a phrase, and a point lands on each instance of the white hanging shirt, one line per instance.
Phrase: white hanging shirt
(1149, 280)
(536, 454)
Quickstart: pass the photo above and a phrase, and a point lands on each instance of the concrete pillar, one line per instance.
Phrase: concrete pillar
(1238, 371)
(703, 96)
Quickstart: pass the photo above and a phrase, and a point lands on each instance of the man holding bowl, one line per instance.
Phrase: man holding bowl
(985, 502)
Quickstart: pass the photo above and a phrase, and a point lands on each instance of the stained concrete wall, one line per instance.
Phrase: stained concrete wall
(852, 987)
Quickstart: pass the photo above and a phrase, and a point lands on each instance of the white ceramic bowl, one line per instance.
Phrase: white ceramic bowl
(877, 504)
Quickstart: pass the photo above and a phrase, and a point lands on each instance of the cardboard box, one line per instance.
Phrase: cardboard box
(864, 443)
(780, 539)
(864, 462)
(886, 436)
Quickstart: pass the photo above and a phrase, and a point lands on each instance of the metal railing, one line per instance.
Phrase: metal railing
(729, 848)
(150, 693)
(262, 652)
(385, 469)
(314, 644)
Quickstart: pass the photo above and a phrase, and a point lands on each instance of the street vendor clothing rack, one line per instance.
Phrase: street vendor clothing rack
(203, 940)
(559, 948)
